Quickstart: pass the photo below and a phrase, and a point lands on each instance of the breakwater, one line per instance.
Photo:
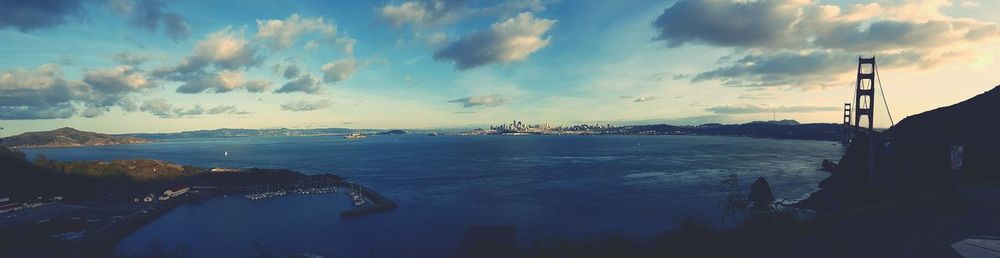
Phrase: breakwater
(378, 203)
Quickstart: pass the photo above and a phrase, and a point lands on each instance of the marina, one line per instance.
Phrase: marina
(269, 193)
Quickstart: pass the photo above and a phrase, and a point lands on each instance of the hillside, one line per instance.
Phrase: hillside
(785, 129)
(66, 137)
(936, 150)
(139, 170)
(970, 121)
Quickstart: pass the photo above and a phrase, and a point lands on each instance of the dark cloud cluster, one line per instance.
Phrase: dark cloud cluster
(31, 15)
(162, 108)
(291, 71)
(507, 41)
(144, 14)
(149, 15)
(423, 14)
(805, 44)
(306, 83)
(482, 101)
(43, 93)
(811, 70)
(727, 22)
(130, 59)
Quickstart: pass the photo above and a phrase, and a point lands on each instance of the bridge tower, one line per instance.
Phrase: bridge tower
(847, 114)
(864, 94)
(847, 122)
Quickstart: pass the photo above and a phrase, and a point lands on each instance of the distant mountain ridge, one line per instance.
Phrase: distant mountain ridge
(780, 129)
(783, 129)
(67, 137)
(238, 132)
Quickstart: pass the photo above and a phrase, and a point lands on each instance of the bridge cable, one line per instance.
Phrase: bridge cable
(878, 77)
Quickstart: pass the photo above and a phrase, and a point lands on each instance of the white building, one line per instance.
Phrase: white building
(177, 191)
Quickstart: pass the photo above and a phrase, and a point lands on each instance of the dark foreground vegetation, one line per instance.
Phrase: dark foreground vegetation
(911, 191)
(916, 226)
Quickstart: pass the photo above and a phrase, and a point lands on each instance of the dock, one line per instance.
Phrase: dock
(378, 203)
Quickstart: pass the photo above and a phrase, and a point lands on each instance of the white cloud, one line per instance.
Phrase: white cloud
(226, 49)
(482, 101)
(508, 41)
(257, 86)
(118, 79)
(164, 109)
(282, 34)
(215, 64)
(303, 105)
(422, 14)
(223, 50)
(756, 109)
(646, 99)
(338, 70)
(221, 82)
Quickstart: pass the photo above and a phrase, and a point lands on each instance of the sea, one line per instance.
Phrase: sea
(546, 187)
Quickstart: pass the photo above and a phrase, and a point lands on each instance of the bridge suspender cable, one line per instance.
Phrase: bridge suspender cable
(878, 78)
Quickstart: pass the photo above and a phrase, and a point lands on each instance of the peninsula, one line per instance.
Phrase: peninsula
(52, 208)
(67, 137)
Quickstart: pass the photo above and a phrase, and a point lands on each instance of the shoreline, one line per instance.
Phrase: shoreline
(99, 225)
(105, 245)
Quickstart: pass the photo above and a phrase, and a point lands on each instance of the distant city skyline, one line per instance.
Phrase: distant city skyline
(133, 66)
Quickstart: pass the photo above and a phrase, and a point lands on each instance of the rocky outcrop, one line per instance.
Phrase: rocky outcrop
(760, 192)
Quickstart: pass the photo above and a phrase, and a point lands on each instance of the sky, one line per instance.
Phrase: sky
(122, 66)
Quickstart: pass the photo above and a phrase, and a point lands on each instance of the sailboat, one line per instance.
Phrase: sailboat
(226, 153)
(356, 196)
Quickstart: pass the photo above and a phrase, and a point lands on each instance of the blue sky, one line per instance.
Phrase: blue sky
(162, 66)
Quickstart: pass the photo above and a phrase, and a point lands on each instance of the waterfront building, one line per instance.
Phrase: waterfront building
(177, 191)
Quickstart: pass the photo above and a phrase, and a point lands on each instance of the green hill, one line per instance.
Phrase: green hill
(66, 137)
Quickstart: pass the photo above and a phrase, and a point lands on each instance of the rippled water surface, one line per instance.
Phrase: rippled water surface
(552, 186)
